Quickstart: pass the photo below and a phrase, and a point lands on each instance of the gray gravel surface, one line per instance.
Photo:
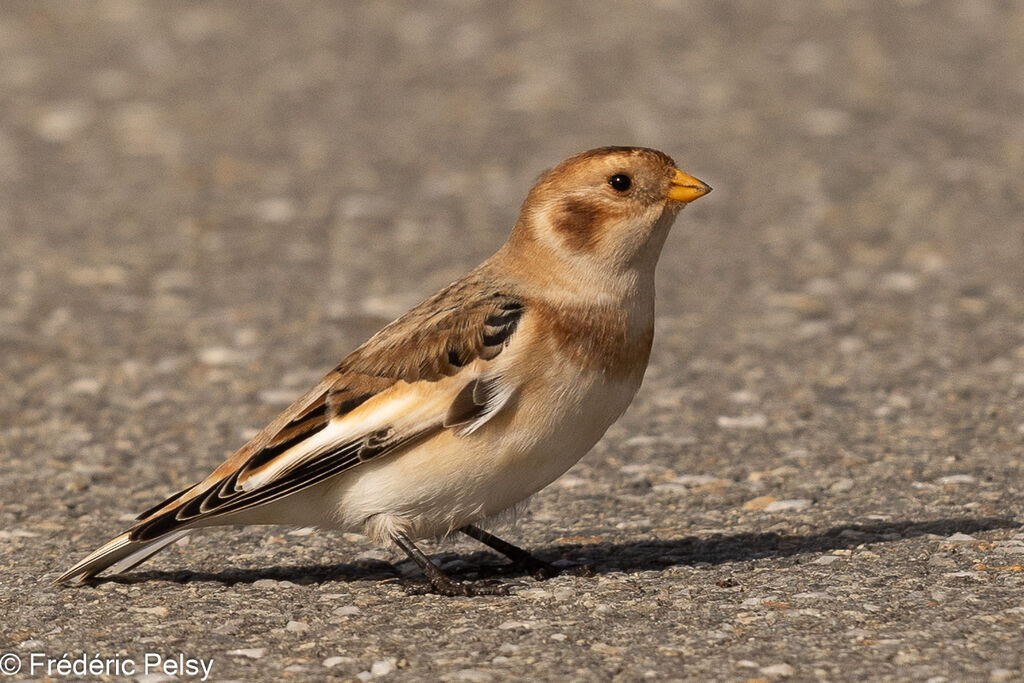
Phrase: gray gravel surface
(204, 206)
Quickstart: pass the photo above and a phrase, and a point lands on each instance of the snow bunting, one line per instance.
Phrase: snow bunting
(474, 400)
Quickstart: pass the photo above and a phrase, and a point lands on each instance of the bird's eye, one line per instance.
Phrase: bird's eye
(620, 182)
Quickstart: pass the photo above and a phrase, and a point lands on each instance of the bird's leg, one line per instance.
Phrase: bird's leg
(534, 565)
(439, 581)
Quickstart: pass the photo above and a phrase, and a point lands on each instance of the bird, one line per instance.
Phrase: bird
(471, 402)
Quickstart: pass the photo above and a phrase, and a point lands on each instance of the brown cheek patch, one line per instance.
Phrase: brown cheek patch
(576, 222)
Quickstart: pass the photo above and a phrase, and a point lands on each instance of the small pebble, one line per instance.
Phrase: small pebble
(698, 480)
(513, 625)
(62, 122)
(19, 533)
(957, 479)
(841, 485)
(155, 611)
(220, 355)
(899, 281)
(755, 421)
(275, 210)
(346, 610)
(848, 345)
(382, 667)
(759, 503)
(335, 661)
(297, 626)
(605, 649)
(788, 505)
(777, 671)
(85, 385)
(469, 675)
(251, 652)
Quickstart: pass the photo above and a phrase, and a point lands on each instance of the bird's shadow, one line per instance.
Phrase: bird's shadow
(603, 558)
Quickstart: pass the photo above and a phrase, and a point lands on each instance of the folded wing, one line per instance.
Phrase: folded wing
(384, 397)
(377, 401)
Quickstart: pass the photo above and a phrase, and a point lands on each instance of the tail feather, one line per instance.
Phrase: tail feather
(119, 554)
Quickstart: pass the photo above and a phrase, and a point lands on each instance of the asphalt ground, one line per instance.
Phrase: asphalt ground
(203, 207)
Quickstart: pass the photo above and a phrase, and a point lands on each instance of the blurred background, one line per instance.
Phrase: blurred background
(204, 206)
(209, 198)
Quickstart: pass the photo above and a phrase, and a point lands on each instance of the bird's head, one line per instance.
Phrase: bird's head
(606, 209)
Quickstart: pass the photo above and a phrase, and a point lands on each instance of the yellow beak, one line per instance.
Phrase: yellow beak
(685, 188)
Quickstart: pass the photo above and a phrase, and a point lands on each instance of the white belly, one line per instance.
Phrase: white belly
(450, 480)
